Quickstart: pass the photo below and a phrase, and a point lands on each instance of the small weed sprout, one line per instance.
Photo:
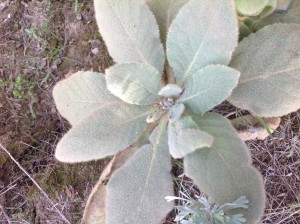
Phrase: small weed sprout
(21, 88)
(205, 211)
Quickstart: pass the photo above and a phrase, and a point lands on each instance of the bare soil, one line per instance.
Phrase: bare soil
(43, 41)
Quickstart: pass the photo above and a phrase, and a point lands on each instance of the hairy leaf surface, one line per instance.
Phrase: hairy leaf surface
(165, 11)
(203, 33)
(176, 112)
(209, 87)
(134, 83)
(170, 90)
(94, 212)
(185, 137)
(130, 32)
(269, 61)
(224, 171)
(252, 7)
(136, 191)
(80, 94)
(105, 132)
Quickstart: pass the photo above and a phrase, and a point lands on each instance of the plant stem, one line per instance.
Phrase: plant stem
(2, 209)
(170, 74)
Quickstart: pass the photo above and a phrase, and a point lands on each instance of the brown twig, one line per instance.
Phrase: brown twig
(35, 183)
(5, 214)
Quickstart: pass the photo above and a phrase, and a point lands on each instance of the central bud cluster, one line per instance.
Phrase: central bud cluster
(167, 103)
(169, 93)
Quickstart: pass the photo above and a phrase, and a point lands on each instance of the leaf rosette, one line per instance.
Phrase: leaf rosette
(190, 44)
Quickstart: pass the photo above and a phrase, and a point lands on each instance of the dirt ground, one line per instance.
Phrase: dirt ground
(41, 42)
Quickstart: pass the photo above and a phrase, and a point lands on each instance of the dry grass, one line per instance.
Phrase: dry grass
(278, 160)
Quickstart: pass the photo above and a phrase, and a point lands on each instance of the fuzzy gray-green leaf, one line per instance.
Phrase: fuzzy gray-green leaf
(209, 87)
(165, 11)
(104, 133)
(251, 7)
(130, 32)
(185, 137)
(203, 33)
(80, 94)
(134, 83)
(175, 112)
(224, 171)
(136, 191)
(269, 61)
(170, 90)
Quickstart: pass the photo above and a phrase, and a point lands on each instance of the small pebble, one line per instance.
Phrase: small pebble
(56, 63)
(79, 16)
(43, 63)
(95, 50)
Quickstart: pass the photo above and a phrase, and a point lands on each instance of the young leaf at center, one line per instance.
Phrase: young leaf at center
(185, 137)
(134, 83)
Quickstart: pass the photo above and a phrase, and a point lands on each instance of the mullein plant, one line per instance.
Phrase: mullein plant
(175, 61)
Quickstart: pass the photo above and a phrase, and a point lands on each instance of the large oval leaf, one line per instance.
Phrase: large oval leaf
(165, 11)
(209, 87)
(135, 192)
(134, 83)
(224, 171)
(80, 94)
(130, 32)
(252, 7)
(185, 137)
(94, 211)
(105, 132)
(269, 61)
(203, 33)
